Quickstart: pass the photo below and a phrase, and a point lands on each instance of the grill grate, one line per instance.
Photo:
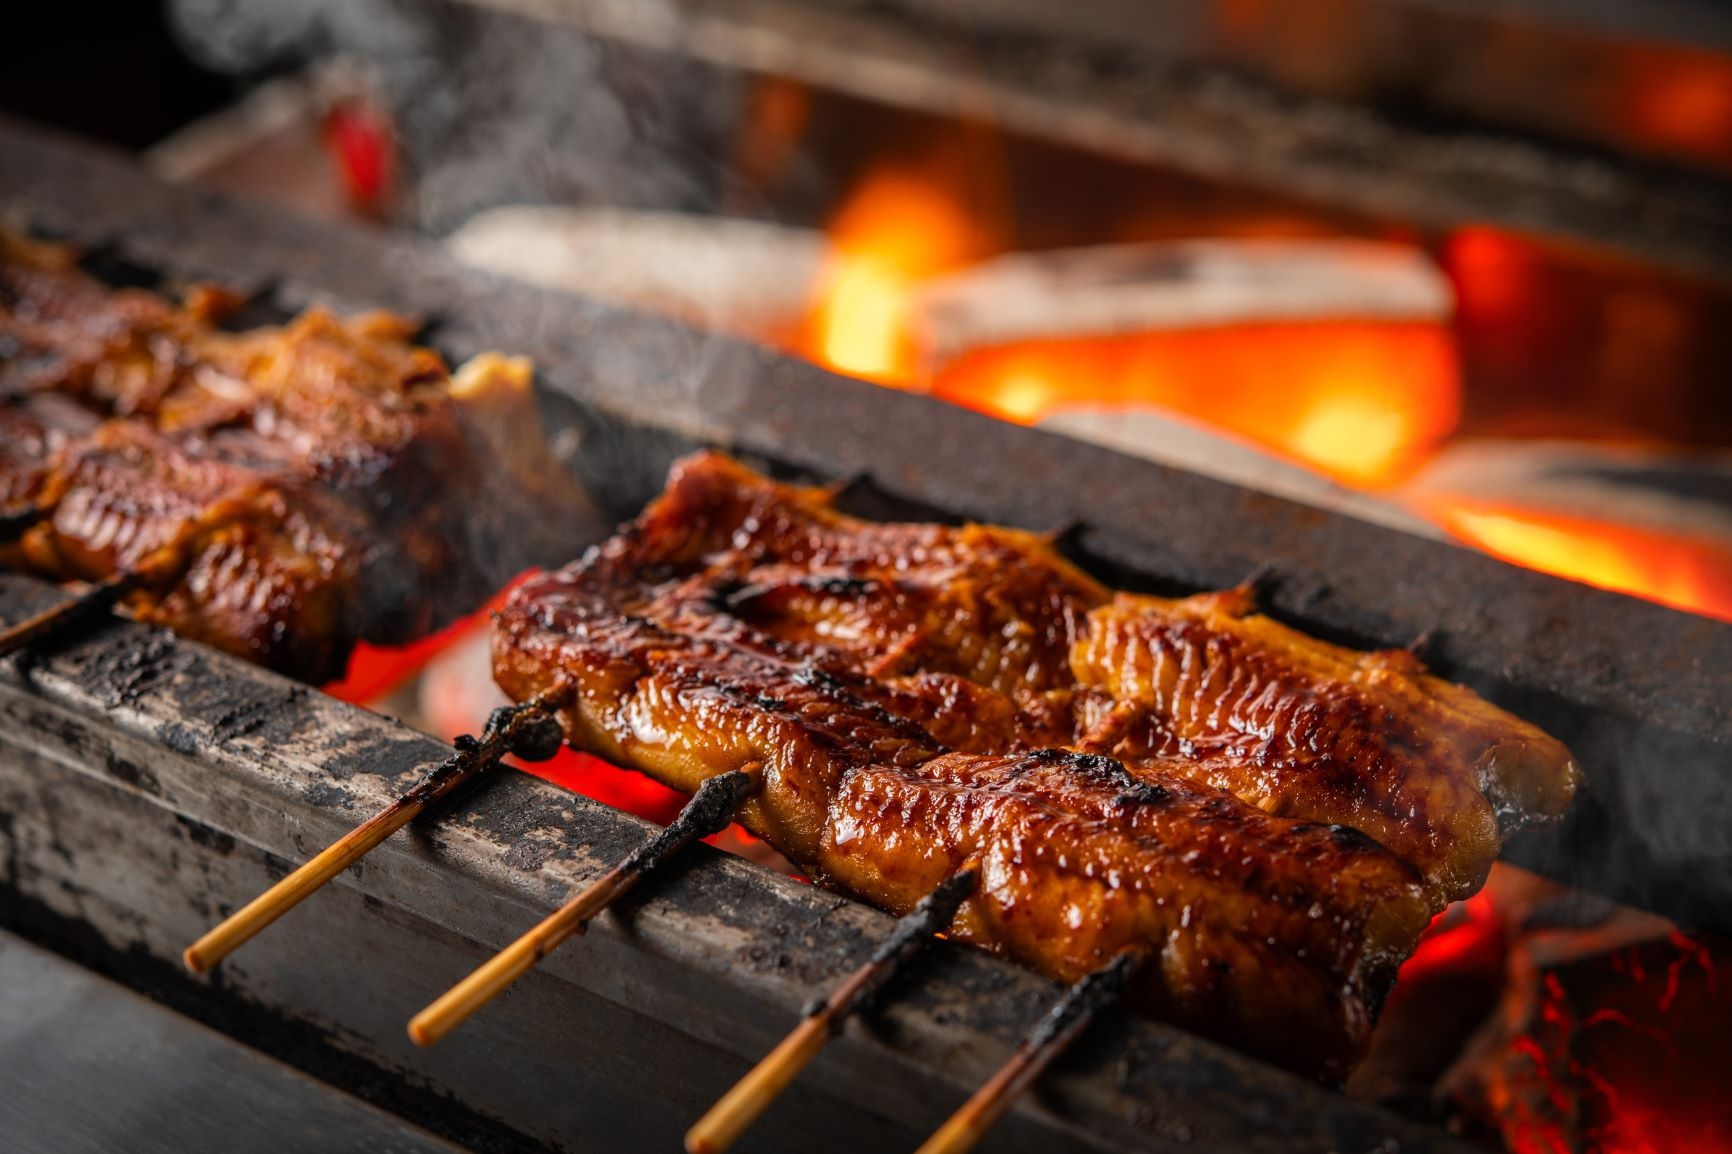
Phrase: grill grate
(150, 785)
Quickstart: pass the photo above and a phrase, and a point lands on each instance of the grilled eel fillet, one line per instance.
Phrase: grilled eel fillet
(302, 487)
(1272, 818)
(1276, 935)
(1201, 686)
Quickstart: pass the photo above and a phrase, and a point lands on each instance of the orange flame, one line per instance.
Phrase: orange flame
(894, 232)
(1362, 401)
(1674, 569)
(1365, 402)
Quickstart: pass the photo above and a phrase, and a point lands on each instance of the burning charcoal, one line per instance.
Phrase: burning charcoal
(1610, 1036)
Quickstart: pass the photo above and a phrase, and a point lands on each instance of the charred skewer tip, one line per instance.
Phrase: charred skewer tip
(722, 1126)
(1052, 1036)
(709, 811)
(14, 523)
(57, 618)
(530, 730)
(155, 569)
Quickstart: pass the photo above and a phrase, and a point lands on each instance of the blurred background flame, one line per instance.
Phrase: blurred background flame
(1367, 403)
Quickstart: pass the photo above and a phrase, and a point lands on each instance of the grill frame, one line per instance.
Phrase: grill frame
(1639, 690)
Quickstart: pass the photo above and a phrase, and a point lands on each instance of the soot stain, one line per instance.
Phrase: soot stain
(529, 854)
(132, 774)
(121, 675)
(389, 756)
(325, 795)
(214, 840)
(269, 716)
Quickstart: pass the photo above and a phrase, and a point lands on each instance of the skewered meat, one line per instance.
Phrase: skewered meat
(1200, 686)
(299, 488)
(1300, 727)
(32, 430)
(1274, 934)
(923, 697)
(256, 560)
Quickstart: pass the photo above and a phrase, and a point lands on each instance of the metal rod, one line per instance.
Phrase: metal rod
(722, 1126)
(530, 730)
(1052, 1036)
(711, 808)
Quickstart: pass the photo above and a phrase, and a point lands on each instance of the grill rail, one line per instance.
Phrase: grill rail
(149, 785)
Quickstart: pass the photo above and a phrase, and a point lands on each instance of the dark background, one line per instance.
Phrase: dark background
(111, 71)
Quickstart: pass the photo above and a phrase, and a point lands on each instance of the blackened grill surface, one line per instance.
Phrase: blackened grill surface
(1643, 694)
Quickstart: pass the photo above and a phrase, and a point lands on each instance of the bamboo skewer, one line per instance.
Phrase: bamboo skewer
(709, 811)
(530, 730)
(722, 1126)
(1061, 1026)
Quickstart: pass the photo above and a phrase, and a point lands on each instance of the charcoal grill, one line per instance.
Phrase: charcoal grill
(148, 785)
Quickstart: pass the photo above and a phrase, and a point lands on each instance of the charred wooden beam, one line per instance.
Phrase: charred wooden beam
(528, 730)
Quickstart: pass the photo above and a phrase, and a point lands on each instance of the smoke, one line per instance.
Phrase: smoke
(493, 108)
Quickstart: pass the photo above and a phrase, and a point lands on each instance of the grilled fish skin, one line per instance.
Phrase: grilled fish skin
(1273, 818)
(997, 606)
(322, 482)
(1276, 935)
(1307, 729)
(1201, 686)
(271, 568)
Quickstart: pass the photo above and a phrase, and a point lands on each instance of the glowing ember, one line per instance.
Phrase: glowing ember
(1361, 401)
(1676, 570)
(377, 670)
(1625, 1055)
(1469, 934)
(607, 783)
(644, 797)
(1606, 1033)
